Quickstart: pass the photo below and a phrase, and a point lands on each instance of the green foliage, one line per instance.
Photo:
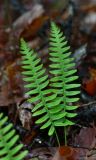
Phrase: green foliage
(9, 149)
(62, 69)
(37, 83)
(52, 104)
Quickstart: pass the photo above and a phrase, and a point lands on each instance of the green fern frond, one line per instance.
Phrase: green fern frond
(9, 149)
(37, 82)
(52, 105)
(62, 69)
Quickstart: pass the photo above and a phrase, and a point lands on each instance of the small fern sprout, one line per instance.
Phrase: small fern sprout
(9, 149)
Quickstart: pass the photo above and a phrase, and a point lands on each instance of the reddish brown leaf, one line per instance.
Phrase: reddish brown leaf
(66, 153)
(90, 85)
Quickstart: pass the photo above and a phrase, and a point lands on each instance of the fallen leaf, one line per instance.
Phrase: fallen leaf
(90, 84)
(65, 153)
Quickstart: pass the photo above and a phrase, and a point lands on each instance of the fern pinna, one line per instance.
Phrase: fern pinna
(9, 149)
(63, 73)
(52, 105)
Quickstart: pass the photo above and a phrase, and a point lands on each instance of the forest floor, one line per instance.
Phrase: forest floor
(31, 20)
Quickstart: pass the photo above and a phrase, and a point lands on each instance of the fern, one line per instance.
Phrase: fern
(8, 148)
(52, 105)
(63, 72)
(37, 83)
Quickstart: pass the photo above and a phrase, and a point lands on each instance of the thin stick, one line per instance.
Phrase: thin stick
(87, 104)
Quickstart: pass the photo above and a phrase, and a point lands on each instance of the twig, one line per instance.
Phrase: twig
(87, 104)
(82, 147)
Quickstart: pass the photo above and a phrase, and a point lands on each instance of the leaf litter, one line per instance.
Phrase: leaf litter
(78, 21)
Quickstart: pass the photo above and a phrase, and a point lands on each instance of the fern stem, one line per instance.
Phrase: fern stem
(65, 136)
(57, 138)
(64, 92)
(64, 101)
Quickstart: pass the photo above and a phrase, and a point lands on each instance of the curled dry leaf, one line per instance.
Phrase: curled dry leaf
(26, 19)
(26, 118)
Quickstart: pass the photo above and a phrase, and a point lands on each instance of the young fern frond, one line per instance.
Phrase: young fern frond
(37, 82)
(9, 150)
(52, 105)
(62, 69)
